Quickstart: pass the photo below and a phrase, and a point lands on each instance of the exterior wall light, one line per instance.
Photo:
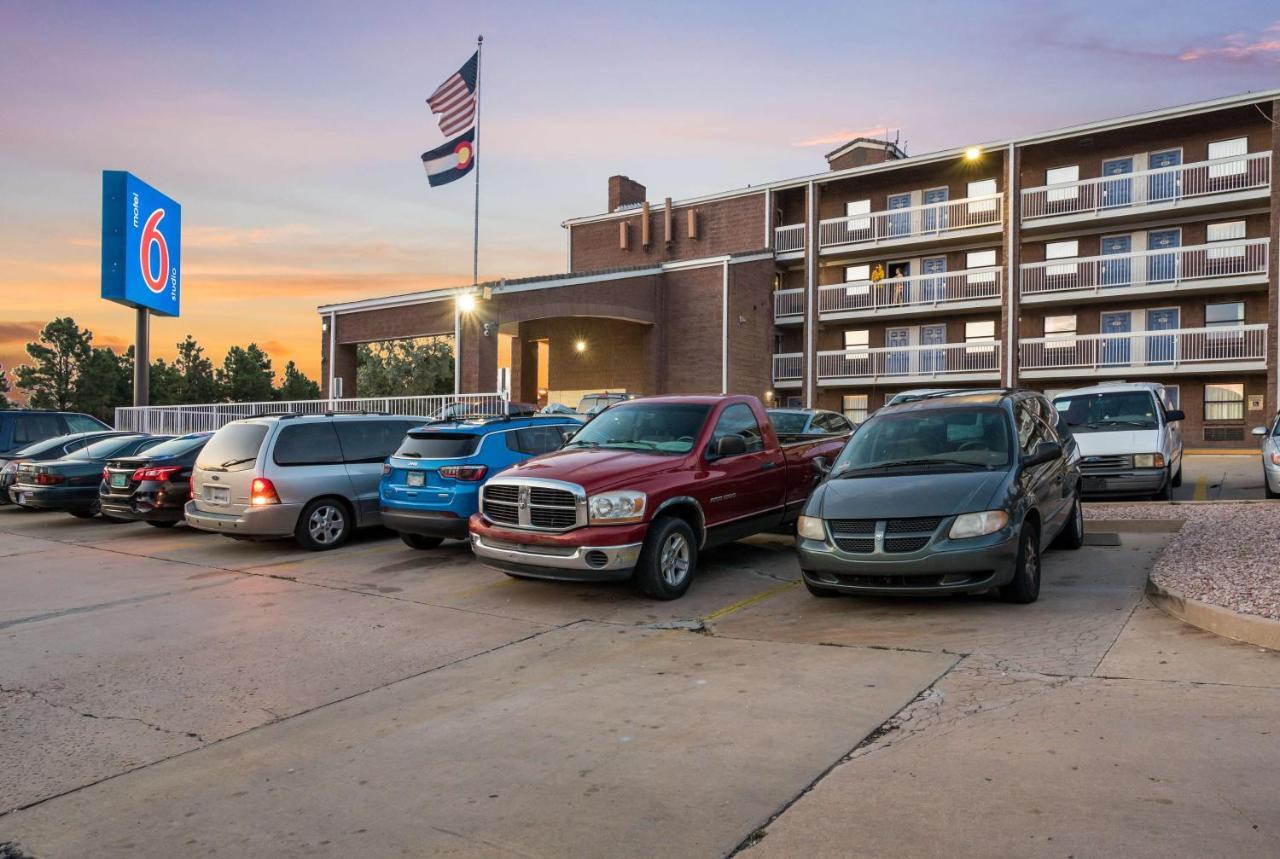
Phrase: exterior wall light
(973, 153)
(580, 346)
(466, 302)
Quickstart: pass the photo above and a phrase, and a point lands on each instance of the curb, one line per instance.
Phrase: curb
(1251, 629)
(1226, 451)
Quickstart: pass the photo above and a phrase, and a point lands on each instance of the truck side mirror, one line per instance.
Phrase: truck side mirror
(1175, 415)
(730, 445)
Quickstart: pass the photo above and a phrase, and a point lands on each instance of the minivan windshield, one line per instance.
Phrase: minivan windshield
(1108, 411)
(665, 428)
(945, 439)
(234, 444)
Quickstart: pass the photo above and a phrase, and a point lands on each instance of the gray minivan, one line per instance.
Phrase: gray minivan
(310, 477)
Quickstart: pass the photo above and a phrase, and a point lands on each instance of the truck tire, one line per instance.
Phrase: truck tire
(668, 560)
(1025, 586)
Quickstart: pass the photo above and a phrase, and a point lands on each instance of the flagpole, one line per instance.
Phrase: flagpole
(475, 153)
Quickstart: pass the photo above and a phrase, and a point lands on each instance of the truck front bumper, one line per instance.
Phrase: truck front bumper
(585, 555)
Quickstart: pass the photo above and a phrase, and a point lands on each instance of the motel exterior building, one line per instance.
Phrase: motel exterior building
(1141, 248)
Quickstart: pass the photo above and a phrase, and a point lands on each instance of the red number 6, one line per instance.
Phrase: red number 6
(151, 235)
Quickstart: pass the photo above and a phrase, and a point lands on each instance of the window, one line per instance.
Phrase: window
(1226, 231)
(1224, 401)
(739, 420)
(1226, 315)
(308, 444)
(1031, 428)
(981, 259)
(536, 440)
(235, 446)
(1172, 397)
(1059, 331)
(84, 423)
(1235, 149)
(854, 407)
(982, 331)
(832, 423)
(858, 207)
(860, 277)
(1068, 176)
(183, 444)
(435, 444)
(982, 188)
(1061, 250)
(28, 429)
(859, 339)
(369, 441)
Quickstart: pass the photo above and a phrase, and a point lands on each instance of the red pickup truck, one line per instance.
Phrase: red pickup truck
(642, 488)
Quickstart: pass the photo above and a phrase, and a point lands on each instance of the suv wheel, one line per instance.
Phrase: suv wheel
(420, 541)
(668, 559)
(1025, 587)
(324, 524)
(1072, 534)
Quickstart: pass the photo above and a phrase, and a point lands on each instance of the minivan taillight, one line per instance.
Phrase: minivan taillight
(263, 492)
(464, 472)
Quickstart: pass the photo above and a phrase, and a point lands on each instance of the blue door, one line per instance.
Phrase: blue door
(1117, 192)
(898, 361)
(932, 360)
(933, 288)
(1163, 267)
(1163, 185)
(1116, 272)
(1162, 349)
(899, 224)
(1116, 328)
(935, 219)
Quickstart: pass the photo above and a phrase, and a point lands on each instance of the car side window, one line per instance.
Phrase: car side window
(29, 429)
(739, 420)
(368, 441)
(81, 423)
(308, 444)
(535, 440)
(1030, 427)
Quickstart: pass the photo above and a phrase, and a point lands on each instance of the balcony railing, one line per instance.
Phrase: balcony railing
(788, 367)
(788, 305)
(944, 359)
(788, 238)
(1156, 350)
(918, 291)
(1164, 268)
(1149, 187)
(932, 220)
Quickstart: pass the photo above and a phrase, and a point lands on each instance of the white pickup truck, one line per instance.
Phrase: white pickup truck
(1130, 441)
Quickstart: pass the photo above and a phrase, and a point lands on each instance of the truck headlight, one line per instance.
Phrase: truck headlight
(613, 508)
(1148, 460)
(978, 524)
(811, 528)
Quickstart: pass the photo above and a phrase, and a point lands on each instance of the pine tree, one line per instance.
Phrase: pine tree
(50, 380)
(246, 375)
(297, 386)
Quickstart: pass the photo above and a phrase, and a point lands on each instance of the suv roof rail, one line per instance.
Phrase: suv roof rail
(269, 415)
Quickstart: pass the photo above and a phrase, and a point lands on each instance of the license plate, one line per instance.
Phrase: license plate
(1094, 484)
(119, 481)
(416, 478)
(217, 494)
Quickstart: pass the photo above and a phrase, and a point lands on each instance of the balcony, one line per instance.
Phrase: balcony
(1151, 353)
(908, 296)
(1198, 268)
(954, 362)
(1203, 184)
(788, 369)
(788, 239)
(788, 306)
(935, 223)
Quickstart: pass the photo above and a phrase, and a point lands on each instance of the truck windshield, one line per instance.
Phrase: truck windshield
(964, 439)
(1108, 412)
(667, 428)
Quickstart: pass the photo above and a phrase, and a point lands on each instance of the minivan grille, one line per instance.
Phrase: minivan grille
(858, 536)
(535, 507)
(1105, 463)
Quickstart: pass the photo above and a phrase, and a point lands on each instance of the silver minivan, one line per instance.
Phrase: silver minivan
(310, 477)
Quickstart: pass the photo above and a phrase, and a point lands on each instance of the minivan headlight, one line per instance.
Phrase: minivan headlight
(978, 524)
(1148, 460)
(811, 528)
(613, 508)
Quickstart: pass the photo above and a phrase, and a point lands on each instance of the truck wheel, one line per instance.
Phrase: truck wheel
(1072, 534)
(668, 560)
(420, 541)
(1025, 587)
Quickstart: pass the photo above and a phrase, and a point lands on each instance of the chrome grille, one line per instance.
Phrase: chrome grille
(534, 504)
(499, 492)
(540, 497)
(1105, 463)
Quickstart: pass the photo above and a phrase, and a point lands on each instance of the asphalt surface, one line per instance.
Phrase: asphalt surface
(1221, 478)
(173, 693)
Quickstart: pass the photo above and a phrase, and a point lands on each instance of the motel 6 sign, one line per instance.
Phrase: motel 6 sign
(141, 244)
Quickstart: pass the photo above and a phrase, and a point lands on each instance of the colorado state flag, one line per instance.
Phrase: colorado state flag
(451, 161)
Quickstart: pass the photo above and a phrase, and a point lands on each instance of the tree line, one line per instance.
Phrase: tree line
(67, 372)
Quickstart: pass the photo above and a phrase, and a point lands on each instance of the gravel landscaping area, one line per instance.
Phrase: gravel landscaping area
(1226, 554)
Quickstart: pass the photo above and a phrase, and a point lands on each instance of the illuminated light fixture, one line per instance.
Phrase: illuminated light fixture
(973, 153)
(466, 302)
(580, 345)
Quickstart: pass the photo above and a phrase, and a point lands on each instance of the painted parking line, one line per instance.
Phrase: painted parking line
(751, 600)
(1202, 488)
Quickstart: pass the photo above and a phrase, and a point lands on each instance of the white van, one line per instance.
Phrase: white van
(1130, 441)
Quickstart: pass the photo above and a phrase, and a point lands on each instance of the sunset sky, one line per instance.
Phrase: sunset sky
(291, 132)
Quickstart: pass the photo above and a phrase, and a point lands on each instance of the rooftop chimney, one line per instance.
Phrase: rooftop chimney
(863, 150)
(624, 191)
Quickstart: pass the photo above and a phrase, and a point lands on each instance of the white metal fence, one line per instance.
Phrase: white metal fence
(206, 417)
(788, 238)
(788, 304)
(788, 367)
(925, 290)
(1165, 268)
(1148, 187)
(944, 359)
(1154, 349)
(913, 221)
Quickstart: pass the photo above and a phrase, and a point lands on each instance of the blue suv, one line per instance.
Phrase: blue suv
(430, 485)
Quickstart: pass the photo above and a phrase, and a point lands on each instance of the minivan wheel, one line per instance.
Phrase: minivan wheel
(1025, 587)
(668, 560)
(324, 524)
(1072, 534)
(420, 541)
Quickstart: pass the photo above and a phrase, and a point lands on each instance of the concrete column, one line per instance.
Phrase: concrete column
(345, 368)
(333, 349)
(477, 352)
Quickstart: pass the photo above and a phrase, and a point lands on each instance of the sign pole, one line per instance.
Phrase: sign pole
(142, 359)
(475, 234)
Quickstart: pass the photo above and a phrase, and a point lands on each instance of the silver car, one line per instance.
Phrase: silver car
(310, 477)
(1270, 457)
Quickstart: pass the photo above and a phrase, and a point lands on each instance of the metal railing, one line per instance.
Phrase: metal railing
(943, 359)
(1148, 187)
(934, 219)
(917, 291)
(788, 367)
(1158, 350)
(206, 417)
(788, 304)
(1171, 268)
(788, 238)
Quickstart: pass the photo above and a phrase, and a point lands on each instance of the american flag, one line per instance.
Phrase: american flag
(455, 99)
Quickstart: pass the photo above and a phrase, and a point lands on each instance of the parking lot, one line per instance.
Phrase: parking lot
(1220, 478)
(175, 693)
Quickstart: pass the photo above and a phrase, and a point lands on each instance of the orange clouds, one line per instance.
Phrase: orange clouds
(835, 138)
(1241, 47)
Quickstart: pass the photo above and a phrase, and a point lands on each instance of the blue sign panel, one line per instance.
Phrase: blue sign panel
(141, 244)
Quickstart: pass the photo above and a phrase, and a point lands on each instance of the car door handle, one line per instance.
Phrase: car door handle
(765, 466)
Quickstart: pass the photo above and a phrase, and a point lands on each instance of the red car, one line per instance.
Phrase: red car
(642, 488)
